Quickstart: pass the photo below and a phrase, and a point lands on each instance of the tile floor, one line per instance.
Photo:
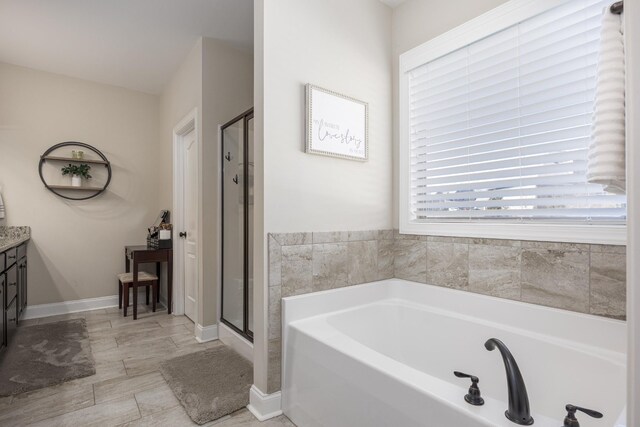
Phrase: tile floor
(127, 389)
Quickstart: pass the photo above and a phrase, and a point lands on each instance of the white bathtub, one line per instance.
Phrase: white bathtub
(383, 354)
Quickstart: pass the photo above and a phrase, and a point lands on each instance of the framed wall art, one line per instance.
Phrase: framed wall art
(337, 125)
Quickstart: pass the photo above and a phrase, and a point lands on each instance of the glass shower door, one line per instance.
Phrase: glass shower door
(233, 224)
(237, 219)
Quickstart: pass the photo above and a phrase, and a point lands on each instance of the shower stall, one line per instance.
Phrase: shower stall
(237, 224)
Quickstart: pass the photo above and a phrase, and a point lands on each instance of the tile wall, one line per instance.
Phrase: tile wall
(300, 263)
(577, 277)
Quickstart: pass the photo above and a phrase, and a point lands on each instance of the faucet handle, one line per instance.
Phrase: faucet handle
(459, 374)
(473, 397)
(571, 421)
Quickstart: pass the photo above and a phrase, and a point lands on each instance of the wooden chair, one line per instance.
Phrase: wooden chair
(125, 282)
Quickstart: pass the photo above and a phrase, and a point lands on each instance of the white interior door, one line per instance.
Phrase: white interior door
(190, 222)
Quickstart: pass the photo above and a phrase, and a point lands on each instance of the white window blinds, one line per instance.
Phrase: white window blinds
(500, 128)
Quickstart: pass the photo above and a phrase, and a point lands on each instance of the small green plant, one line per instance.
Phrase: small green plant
(81, 170)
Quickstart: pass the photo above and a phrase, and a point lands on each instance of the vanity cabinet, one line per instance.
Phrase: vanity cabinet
(11, 322)
(12, 284)
(13, 290)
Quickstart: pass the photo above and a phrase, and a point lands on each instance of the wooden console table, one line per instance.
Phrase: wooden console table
(137, 255)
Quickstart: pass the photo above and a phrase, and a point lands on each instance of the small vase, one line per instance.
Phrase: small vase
(76, 181)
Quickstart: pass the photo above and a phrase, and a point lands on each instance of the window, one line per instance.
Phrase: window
(495, 128)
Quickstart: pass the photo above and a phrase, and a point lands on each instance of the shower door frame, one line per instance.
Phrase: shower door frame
(245, 332)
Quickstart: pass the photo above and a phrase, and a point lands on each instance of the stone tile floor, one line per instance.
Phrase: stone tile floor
(127, 389)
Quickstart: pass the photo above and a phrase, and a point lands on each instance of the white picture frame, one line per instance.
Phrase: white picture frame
(336, 125)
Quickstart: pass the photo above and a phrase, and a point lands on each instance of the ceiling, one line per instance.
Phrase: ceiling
(136, 44)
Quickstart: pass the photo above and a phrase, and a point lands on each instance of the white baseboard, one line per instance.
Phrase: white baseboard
(237, 342)
(75, 306)
(264, 406)
(206, 333)
(44, 310)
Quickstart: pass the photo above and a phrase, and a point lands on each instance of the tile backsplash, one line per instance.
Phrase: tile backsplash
(577, 277)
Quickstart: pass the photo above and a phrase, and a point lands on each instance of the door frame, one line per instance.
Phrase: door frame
(184, 127)
(245, 333)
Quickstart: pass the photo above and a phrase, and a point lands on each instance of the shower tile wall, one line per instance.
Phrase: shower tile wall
(578, 277)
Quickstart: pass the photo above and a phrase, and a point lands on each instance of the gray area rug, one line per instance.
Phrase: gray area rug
(211, 383)
(44, 355)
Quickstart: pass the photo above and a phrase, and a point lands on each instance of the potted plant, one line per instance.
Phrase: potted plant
(77, 172)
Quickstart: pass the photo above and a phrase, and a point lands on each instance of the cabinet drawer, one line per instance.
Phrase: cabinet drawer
(22, 251)
(11, 284)
(12, 257)
(12, 320)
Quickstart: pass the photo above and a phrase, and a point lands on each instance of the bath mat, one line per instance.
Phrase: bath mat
(44, 355)
(211, 383)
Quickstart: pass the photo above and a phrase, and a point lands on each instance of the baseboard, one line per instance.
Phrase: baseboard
(65, 307)
(206, 333)
(237, 342)
(75, 306)
(264, 406)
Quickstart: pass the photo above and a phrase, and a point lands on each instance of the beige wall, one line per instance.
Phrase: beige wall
(416, 22)
(227, 91)
(76, 247)
(217, 79)
(344, 46)
(182, 95)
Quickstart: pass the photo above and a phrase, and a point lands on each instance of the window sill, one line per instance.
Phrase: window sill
(595, 234)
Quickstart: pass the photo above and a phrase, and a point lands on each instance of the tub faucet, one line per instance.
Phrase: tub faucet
(518, 411)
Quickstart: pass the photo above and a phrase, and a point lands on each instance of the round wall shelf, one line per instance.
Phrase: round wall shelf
(84, 193)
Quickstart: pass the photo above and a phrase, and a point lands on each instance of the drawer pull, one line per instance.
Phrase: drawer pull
(12, 320)
(13, 284)
(11, 256)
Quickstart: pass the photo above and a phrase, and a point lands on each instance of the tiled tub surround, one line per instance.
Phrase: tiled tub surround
(300, 263)
(578, 277)
(13, 236)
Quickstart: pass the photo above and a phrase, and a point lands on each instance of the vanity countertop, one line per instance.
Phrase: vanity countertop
(13, 236)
